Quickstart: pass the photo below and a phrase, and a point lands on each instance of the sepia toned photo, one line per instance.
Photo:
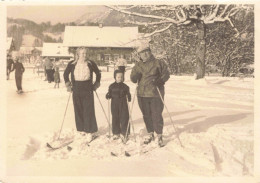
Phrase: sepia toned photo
(129, 90)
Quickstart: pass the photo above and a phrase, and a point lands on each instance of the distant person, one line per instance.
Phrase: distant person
(19, 70)
(9, 65)
(81, 83)
(48, 66)
(151, 75)
(119, 93)
(121, 64)
(56, 77)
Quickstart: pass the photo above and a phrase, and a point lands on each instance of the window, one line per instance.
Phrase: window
(128, 57)
(116, 56)
(98, 57)
(107, 57)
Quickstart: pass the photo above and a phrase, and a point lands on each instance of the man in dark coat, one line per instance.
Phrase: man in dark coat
(81, 83)
(19, 70)
(151, 74)
(48, 67)
(9, 65)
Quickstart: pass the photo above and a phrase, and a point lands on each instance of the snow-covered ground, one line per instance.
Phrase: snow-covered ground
(214, 118)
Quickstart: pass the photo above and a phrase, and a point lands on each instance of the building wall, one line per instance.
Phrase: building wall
(103, 56)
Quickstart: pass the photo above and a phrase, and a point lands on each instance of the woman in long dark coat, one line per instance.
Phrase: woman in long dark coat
(19, 70)
(81, 70)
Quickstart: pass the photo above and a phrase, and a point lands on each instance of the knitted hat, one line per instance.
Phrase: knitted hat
(118, 71)
(143, 47)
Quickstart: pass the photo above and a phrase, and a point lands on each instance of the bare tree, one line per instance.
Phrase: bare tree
(163, 17)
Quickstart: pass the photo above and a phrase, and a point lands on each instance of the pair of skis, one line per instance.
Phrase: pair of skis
(127, 154)
(56, 145)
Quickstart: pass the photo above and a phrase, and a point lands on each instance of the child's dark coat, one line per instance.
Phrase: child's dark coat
(56, 77)
(119, 93)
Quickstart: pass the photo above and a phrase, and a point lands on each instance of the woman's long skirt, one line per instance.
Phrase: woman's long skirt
(83, 101)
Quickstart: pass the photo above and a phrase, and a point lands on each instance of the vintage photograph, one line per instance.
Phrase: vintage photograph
(152, 90)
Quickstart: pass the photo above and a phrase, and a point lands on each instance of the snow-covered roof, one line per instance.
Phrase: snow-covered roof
(95, 36)
(28, 49)
(55, 50)
(9, 41)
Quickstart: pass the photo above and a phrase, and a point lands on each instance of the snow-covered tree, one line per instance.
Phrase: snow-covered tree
(229, 50)
(160, 18)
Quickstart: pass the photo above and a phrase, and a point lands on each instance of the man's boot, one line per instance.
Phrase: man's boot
(160, 140)
(148, 138)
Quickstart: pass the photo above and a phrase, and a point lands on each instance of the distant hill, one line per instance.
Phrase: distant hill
(107, 18)
(29, 33)
(93, 17)
(45, 32)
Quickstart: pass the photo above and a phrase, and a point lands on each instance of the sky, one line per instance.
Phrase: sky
(54, 14)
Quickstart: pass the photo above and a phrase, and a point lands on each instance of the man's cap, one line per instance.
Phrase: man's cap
(143, 45)
(142, 48)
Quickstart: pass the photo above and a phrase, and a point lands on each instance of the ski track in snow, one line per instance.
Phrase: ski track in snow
(213, 117)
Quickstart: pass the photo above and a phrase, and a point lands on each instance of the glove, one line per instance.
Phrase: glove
(158, 82)
(108, 96)
(96, 86)
(129, 98)
(68, 86)
(137, 77)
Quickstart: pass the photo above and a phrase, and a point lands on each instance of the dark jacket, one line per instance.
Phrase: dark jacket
(145, 73)
(9, 63)
(119, 90)
(19, 68)
(48, 64)
(70, 71)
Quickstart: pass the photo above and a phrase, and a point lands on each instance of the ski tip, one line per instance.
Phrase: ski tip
(127, 154)
(113, 154)
(48, 145)
(69, 148)
(161, 145)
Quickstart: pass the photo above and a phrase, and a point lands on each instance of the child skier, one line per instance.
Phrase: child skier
(119, 93)
(56, 77)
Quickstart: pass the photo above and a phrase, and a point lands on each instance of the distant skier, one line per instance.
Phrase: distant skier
(19, 70)
(119, 93)
(56, 77)
(150, 74)
(9, 65)
(121, 64)
(48, 66)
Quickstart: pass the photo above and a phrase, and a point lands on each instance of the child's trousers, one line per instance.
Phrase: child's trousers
(120, 116)
(56, 84)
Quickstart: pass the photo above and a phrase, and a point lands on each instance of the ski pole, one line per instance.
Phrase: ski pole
(104, 113)
(108, 111)
(130, 114)
(169, 114)
(64, 115)
(132, 124)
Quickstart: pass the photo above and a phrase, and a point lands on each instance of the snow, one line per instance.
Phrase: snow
(214, 117)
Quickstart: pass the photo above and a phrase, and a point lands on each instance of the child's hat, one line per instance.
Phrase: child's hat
(117, 71)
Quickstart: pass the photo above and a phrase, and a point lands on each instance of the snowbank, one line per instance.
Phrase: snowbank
(213, 116)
